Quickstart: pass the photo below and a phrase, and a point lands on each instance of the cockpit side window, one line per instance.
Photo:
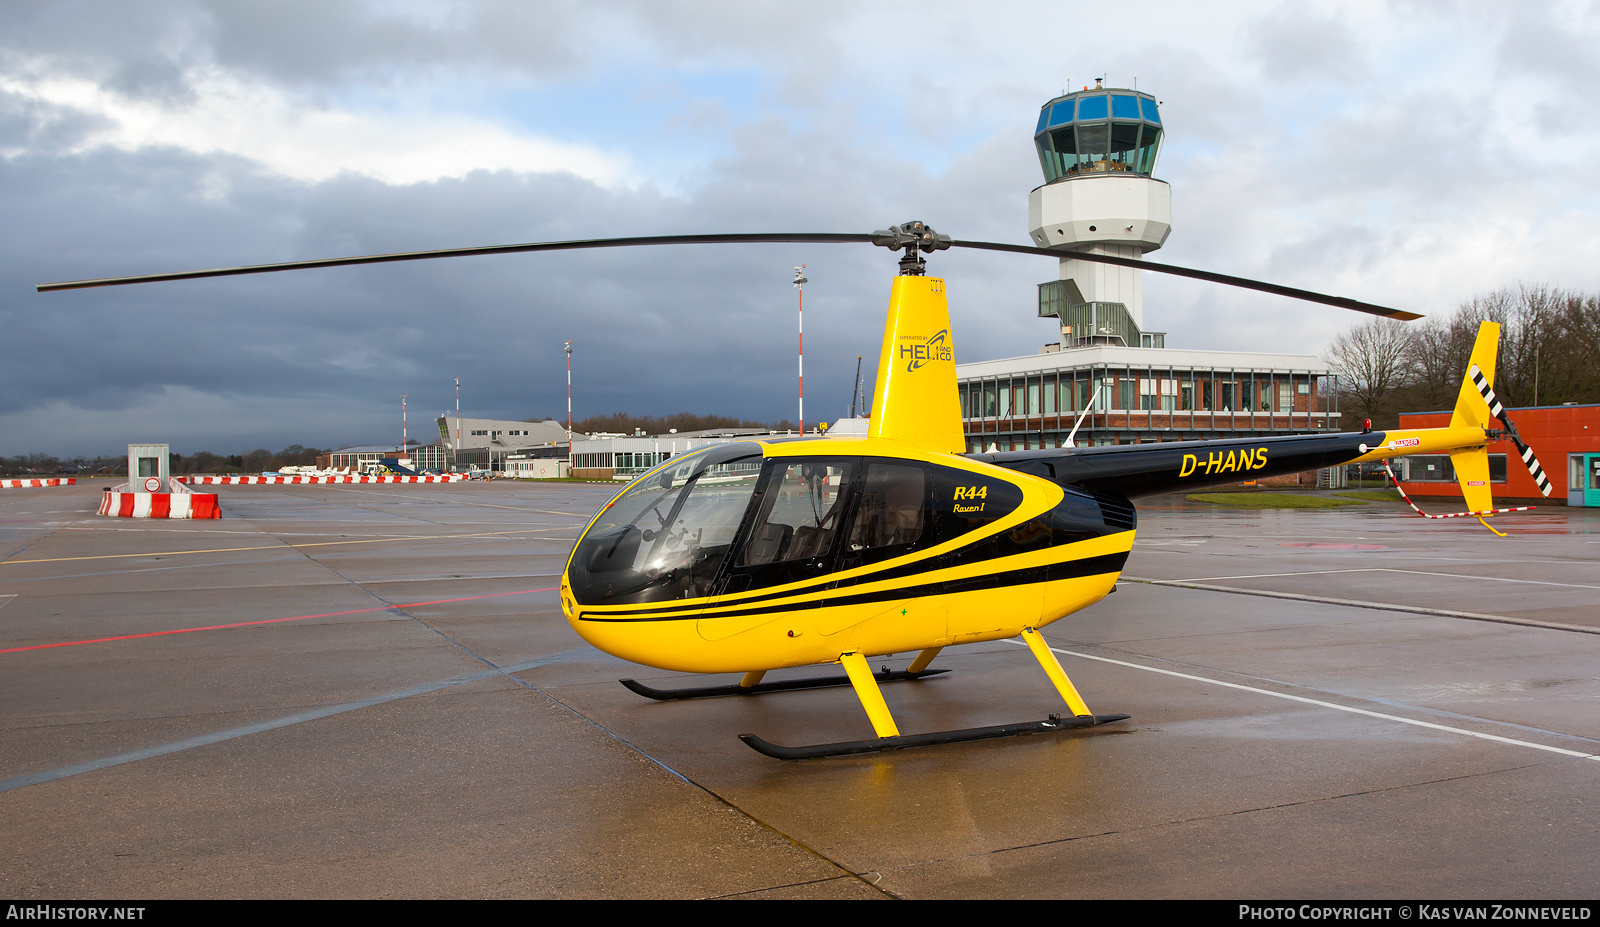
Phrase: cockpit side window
(892, 518)
(797, 522)
(667, 536)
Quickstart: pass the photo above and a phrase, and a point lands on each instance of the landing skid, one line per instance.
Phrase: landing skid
(861, 677)
(818, 751)
(786, 685)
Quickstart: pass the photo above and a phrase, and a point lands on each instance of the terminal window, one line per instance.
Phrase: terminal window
(1436, 468)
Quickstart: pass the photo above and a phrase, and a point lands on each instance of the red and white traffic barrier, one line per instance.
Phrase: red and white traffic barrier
(1478, 515)
(180, 503)
(18, 484)
(1401, 490)
(275, 480)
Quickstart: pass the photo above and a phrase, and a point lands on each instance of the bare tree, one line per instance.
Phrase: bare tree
(1580, 321)
(1440, 348)
(1372, 360)
(1549, 353)
(1530, 335)
(1575, 371)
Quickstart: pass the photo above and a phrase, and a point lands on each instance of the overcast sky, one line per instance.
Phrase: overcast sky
(1411, 154)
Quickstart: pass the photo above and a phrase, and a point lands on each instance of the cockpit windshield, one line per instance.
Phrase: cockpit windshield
(666, 536)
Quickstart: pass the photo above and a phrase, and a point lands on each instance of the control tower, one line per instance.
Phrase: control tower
(1108, 381)
(1098, 149)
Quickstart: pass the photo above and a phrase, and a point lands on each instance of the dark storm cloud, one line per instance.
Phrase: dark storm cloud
(656, 330)
(138, 47)
(1300, 149)
(311, 41)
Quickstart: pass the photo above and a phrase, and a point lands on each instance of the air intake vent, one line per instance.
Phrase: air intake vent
(1115, 508)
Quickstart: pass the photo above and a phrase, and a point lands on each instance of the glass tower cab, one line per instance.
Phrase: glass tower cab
(1098, 148)
(1098, 131)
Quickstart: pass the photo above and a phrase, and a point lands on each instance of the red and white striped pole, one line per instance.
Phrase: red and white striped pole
(569, 404)
(800, 315)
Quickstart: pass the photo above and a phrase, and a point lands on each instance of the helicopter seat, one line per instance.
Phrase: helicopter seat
(810, 542)
(769, 544)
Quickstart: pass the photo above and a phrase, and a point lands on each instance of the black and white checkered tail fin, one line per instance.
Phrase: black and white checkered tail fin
(1499, 412)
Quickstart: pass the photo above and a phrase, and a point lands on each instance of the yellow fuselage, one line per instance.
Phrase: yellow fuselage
(893, 606)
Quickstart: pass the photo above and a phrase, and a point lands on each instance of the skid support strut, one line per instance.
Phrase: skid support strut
(923, 659)
(855, 665)
(1052, 668)
(890, 738)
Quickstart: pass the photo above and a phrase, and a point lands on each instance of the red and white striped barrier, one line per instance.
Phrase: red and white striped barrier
(1478, 515)
(180, 503)
(275, 480)
(18, 484)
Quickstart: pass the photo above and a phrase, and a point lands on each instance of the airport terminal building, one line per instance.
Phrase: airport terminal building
(464, 444)
(1141, 394)
(486, 443)
(604, 457)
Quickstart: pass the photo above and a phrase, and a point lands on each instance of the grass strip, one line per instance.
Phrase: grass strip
(1271, 500)
(1372, 495)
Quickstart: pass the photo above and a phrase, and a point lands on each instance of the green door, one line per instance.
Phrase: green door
(1591, 483)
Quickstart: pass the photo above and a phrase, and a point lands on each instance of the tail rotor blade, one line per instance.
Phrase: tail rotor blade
(1499, 412)
(1532, 463)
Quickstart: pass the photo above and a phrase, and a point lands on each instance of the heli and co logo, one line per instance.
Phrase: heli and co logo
(915, 353)
(1405, 442)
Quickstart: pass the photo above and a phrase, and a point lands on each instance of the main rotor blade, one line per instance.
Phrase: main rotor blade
(1342, 302)
(634, 241)
(737, 238)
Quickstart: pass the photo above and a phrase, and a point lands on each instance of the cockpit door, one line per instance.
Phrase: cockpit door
(792, 535)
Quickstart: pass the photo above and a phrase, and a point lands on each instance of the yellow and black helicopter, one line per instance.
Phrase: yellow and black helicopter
(786, 552)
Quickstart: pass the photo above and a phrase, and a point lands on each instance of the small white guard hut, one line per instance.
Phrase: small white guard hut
(149, 467)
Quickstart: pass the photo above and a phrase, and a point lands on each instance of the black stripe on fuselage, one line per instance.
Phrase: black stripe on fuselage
(978, 550)
(965, 555)
(1050, 572)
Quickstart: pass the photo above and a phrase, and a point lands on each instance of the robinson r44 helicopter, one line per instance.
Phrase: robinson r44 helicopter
(771, 554)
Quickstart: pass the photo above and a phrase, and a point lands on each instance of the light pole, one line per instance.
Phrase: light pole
(458, 422)
(568, 405)
(800, 317)
(856, 389)
(403, 424)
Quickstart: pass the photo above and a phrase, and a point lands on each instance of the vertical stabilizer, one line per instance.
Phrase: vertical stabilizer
(916, 400)
(1471, 409)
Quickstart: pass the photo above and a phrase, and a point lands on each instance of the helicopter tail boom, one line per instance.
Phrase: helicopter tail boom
(1144, 469)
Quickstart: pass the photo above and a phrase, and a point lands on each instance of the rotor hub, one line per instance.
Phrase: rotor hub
(914, 238)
